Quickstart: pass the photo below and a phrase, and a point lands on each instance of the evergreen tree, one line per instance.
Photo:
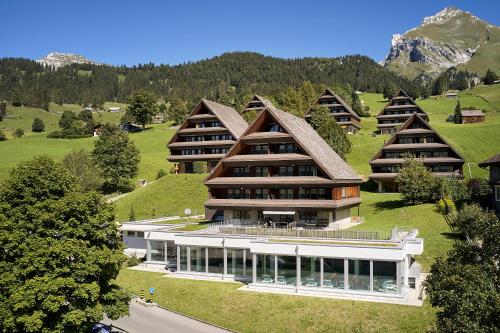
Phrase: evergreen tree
(61, 252)
(67, 120)
(356, 104)
(38, 126)
(413, 91)
(117, 157)
(490, 77)
(390, 90)
(3, 110)
(142, 107)
(178, 111)
(457, 117)
(19, 132)
(330, 131)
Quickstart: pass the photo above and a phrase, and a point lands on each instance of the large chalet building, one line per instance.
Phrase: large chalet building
(415, 137)
(397, 111)
(206, 135)
(339, 110)
(281, 171)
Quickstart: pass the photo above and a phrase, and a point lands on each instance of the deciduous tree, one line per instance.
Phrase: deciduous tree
(415, 182)
(142, 107)
(330, 131)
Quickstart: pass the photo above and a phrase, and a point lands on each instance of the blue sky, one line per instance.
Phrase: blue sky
(172, 32)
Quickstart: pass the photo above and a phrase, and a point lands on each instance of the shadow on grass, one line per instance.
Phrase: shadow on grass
(452, 235)
(388, 205)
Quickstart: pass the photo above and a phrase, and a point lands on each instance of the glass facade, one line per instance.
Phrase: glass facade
(385, 276)
(216, 260)
(239, 262)
(157, 250)
(359, 274)
(287, 275)
(333, 273)
(183, 261)
(310, 271)
(198, 259)
(265, 268)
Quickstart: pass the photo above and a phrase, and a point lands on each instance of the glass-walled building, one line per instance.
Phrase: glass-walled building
(321, 266)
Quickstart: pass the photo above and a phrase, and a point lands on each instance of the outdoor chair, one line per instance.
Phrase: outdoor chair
(328, 284)
(389, 285)
(310, 282)
(266, 279)
(291, 282)
(281, 280)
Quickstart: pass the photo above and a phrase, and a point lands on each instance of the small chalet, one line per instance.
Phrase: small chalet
(339, 110)
(257, 104)
(472, 116)
(493, 163)
(416, 137)
(397, 111)
(97, 130)
(114, 109)
(282, 172)
(206, 135)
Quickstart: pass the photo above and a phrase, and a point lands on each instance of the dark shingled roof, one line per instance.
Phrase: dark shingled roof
(493, 160)
(329, 92)
(314, 145)
(228, 116)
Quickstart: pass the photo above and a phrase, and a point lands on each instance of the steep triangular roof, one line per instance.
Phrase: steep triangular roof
(329, 92)
(401, 93)
(414, 118)
(264, 101)
(307, 139)
(493, 160)
(228, 116)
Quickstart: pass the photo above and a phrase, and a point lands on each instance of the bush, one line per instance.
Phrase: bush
(133, 261)
(446, 206)
(200, 167)
(2, 136)
(415, 182)
(479, 191)
(161, 173)
(19, 132)
(38, 126)
(451, 188)
(67, 135)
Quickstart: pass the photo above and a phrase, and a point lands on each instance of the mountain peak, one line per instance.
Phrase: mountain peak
(59, 59)
(443, 16)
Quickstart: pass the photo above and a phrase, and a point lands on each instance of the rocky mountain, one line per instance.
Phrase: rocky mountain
(57, 59)
(451, 37)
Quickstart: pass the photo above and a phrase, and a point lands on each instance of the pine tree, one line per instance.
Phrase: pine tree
(38, 126)
(389, 91)
(490, 77)
(356, 104)
(3, 110)
(457, 117)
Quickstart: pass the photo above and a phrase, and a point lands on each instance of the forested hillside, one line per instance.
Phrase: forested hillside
(229, 76)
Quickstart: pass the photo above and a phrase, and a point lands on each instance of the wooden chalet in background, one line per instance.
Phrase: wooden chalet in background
(397, 111)
(206, 135)
(472, 116)
(343, 114)
(283, 171)
(257, 104)
(418, 138)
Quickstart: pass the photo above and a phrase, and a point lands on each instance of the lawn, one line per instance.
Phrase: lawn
(222, 304)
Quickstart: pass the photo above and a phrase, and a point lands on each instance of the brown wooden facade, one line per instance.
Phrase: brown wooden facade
(397, 111)
(280, 164)
(339, 110)
(472, 116)
(418, 139)
(205, 136)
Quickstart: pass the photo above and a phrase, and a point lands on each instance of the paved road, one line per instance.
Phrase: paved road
(154, 319)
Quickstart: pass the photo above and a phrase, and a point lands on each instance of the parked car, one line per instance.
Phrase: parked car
(101, 328)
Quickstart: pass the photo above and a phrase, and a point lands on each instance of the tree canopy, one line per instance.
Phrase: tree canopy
(415, 182)
(142, 107)
(61, 251)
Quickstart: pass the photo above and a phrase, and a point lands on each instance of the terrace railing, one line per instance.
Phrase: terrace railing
(309, 233)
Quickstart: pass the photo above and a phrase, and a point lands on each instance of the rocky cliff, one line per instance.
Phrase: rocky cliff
(57, 59)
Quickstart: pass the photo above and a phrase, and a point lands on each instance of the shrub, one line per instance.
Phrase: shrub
(415, 182)
(479, 191)
(131, 214)
(38, 126)
(446, 206)
(19, 132)
(2, 136)
(133, 261)
(200, 167)
(161, 173)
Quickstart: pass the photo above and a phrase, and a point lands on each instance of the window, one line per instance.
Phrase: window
(259, 149)
(308, 170)
(265, 268)
(287, 273)
(384, 276)
(497, 193)
(425, 154)
(274, 127)
(343, 193)
(192, 138)
(238, 193)
(286, 171)
(286, 193)
(442, 168)
(359, 274)
(310, 271)
(216, 260)
(191, 152)
(198, 258)
(241, 172)
(217, 150)
(183, 258)
(261, 193)
(392, 155)
(440, 154)
(307, 216)
(312, 193)
(157, 250)
(287, 148)
(241, 214)
(261, 172)
(239, 262)
(333, 273)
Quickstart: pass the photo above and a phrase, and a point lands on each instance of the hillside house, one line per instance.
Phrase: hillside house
(493, 164)
(472, 116)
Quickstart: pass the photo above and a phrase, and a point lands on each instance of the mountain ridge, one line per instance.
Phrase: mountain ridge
(452, 37)
(59, 59)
